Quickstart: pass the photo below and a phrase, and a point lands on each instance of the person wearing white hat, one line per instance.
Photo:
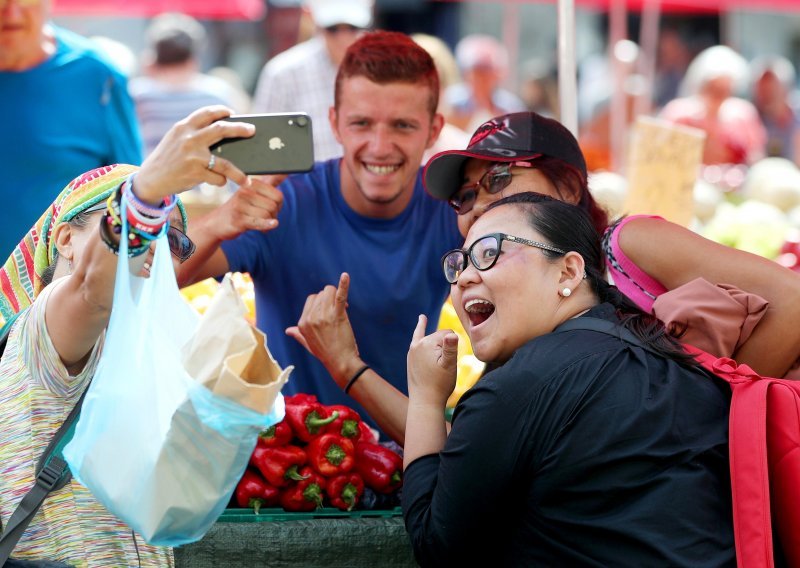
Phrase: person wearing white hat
(301, 78)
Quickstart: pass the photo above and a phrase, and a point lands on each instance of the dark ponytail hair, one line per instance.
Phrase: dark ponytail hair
(572, 187)
(570, 228)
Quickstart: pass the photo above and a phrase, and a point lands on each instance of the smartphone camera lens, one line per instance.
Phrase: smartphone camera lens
(302, 121)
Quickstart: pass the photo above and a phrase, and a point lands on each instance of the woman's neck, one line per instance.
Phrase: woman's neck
(579, 314)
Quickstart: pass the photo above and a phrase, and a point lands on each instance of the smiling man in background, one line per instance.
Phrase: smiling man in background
(365, 214)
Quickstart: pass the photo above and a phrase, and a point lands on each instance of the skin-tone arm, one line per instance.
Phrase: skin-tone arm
(775, 342)
(79, 308)
(255, 205)
(324, 330)
(432, 363)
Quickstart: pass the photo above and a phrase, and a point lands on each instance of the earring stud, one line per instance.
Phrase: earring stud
(566, 292)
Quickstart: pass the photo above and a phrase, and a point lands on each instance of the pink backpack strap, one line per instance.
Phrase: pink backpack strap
(747, 423)
(752, 520)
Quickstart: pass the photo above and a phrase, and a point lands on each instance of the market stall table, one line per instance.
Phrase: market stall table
(274, 539)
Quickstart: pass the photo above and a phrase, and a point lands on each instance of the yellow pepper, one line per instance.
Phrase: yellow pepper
(469, 368)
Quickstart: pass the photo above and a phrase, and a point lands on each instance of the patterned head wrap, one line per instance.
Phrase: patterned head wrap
(21, 275)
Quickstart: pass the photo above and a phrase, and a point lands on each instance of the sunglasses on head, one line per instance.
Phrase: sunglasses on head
(494, 180)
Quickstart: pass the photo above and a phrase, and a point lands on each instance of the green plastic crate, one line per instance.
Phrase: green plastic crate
(279, 515)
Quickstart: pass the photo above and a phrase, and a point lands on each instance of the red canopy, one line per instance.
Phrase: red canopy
(200, 9)
(703, 5)
(691, 6)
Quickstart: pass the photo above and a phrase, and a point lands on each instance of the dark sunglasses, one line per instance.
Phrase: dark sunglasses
(494, 180)
(483, 254)
(180, 245)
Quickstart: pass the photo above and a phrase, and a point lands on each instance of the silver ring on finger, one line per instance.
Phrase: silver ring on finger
(212, 161)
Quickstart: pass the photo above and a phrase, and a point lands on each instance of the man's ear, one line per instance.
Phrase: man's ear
(572, 270)
(437, 123)
(333, 118)
(62, 237)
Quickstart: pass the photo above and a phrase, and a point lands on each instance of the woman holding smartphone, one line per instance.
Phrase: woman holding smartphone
(56, 301)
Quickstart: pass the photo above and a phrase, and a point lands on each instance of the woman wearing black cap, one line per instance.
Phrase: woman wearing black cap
(648, 256)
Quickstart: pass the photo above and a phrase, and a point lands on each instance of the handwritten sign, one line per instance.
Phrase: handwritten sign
(663, 162)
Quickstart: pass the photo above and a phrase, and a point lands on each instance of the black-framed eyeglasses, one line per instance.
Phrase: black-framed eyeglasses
(180, 245)
(484, 253)
(495, 179)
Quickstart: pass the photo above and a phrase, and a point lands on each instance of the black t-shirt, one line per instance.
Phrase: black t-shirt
(581, 450)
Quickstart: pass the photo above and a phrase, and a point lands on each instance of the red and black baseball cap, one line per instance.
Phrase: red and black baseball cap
(512, 137)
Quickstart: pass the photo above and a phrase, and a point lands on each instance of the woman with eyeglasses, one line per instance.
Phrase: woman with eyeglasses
(581, 449)
(646, 256)
(57, 289)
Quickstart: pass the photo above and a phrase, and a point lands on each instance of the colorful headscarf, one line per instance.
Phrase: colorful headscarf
(21, 275)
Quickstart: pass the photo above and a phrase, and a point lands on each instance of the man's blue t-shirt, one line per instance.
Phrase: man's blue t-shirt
(68, 115)
(394, 266)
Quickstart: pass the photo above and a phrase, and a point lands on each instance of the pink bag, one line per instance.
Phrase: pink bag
(716, 318)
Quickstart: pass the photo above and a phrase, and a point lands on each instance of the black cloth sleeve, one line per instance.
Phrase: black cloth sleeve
(451, 501)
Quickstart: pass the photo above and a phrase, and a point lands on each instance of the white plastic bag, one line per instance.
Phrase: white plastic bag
(159, 449)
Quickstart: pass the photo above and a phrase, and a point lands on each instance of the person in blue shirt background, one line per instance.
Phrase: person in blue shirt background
(66, 111)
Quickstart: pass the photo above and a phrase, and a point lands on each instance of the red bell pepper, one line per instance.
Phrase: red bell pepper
(345, 490)
(279, 465)
(308, 419)
(366, 433)
(331, 454)
(254, 492)
(350, 425)
(380, 467)
(347, 423)
(300, 398)
(279, 434)
(305, 495)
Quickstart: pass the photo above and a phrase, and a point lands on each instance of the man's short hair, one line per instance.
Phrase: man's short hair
(174, 38)
(389, 57)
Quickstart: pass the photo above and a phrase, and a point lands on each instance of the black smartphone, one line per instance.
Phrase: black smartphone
(283, 143)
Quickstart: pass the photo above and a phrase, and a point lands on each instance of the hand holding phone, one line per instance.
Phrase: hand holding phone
(283, 143)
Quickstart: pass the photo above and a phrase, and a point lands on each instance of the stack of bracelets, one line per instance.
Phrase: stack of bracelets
(145, 222)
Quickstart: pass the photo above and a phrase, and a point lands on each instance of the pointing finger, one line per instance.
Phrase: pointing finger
(342, 290)
(419, 331)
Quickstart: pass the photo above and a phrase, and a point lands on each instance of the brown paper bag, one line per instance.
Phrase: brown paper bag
(230, 357)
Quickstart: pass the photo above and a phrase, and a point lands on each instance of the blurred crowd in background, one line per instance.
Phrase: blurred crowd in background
(730, 74)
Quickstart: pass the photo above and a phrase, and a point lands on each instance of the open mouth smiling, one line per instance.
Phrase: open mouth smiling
(478, 311)
(381, 169)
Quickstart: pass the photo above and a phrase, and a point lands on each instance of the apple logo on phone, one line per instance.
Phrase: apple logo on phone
(276, 143)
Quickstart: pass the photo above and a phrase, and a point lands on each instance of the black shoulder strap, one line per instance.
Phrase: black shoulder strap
(609, 328)
(52, 473)
(602, 326)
